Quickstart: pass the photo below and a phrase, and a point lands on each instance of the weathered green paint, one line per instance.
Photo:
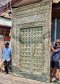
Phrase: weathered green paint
(31, 39)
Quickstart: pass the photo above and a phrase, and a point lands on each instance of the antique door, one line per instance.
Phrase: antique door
(32, 50)
(32, 38)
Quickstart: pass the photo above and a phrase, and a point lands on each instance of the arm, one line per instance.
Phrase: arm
(10, 53)
(54, 50)
(2, 53)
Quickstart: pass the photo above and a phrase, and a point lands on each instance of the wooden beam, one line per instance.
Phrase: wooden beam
(56, 10)
(4, 8)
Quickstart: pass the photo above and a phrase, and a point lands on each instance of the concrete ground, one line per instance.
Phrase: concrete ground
(11, 79)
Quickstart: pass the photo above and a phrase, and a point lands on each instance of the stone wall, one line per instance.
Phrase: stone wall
(31, 39)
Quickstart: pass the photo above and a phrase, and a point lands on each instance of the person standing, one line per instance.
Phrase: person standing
(7, 58)
(55, 59)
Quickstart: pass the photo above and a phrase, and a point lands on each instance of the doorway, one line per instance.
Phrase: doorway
(31, 52)
(55, 33)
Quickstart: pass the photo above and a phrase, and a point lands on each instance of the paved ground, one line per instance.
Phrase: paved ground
(10, 79)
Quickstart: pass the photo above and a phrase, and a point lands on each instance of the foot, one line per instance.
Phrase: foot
(53, 79)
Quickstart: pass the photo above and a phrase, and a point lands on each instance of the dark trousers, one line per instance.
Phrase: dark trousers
(7, 66)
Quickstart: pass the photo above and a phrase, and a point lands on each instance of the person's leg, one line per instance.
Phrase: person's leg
(6, 66)
(57, 73)
(9, 66)
(53, 70)
(57, 70)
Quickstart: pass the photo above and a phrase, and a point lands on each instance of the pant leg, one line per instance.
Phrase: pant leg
(10, 65)
(6, 66)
